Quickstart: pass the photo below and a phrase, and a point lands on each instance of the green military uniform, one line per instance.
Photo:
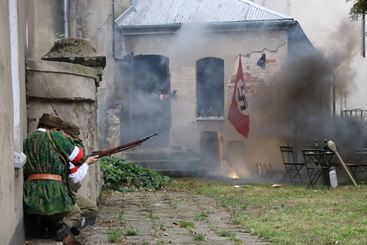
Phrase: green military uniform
(47, 197)
(48, 202)
(87, 207)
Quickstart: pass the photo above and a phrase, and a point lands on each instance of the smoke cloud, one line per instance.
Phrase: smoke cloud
(298, 105)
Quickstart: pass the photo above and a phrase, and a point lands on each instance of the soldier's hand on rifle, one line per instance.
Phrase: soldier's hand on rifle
(92, 159)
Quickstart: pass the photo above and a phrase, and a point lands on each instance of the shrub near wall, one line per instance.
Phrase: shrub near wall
(124, 176)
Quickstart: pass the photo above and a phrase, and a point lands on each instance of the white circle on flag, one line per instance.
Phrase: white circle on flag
(241, 97)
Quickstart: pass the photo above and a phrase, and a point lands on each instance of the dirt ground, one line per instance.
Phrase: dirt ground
(164, 217)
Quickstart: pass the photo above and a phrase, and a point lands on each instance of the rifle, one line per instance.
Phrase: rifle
(123, 147)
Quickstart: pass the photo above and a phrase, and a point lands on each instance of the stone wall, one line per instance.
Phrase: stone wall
(69, 90)
(88, 19)
(45, 24)
(92, 20)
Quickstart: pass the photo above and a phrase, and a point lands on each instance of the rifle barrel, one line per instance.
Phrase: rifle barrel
(123, 147)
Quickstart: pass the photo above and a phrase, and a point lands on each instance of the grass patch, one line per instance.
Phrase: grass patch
(121, 219)
(173, 201)
(291, 214)
(199, 237)
(162, 227)
(230, 236)
(201, 216)
(131, 232)
(186, 224)
(225, 234)
(114, 235)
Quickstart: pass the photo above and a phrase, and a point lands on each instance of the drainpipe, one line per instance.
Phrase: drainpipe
(334, 102)
(113, 30)
(364, 35)
(66, 18)
(14, 49)
(19, 157)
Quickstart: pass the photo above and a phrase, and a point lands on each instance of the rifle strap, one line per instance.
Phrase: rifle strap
(57, 150)
(63, 158)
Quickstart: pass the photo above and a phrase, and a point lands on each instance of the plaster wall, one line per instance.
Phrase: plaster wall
(11, 188)
(92, 20)
(183, 56)
(69, 91)
(44, 26)
(89, 19)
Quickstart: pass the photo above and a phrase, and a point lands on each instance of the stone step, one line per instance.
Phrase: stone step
(171, 165)
(172, 162)
(159, 154)
(177, 169)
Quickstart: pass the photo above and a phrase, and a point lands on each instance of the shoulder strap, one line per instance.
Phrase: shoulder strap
(63, 158)
(57, 150)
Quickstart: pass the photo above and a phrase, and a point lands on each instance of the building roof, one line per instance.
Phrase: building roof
(154, 13)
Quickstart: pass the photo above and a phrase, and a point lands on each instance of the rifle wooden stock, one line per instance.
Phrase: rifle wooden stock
(123, 147)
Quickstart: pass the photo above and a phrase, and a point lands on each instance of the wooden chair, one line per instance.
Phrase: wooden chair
(292, 168)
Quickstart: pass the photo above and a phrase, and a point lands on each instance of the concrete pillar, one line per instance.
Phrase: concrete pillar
(69, 90)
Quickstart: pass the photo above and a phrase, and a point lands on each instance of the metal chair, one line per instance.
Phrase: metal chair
(290, 165)
(318, 163)
(312, 158)
(358, 163)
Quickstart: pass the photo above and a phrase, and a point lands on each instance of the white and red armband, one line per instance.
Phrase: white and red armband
(76, 155)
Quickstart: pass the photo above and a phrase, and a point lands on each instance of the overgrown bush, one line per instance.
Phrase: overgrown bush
(124, 176)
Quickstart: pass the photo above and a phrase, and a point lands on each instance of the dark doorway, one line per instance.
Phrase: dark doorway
(210, 87)
(209, 145)
(150, 106)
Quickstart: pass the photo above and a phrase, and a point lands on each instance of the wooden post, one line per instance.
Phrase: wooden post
(346, 169)
(331, 145)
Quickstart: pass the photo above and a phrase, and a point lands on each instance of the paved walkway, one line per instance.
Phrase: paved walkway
(164, 217)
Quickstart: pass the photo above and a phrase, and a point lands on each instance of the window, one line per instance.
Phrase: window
(210, 87)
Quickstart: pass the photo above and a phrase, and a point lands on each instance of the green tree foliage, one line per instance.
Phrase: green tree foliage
(124, 176)
(359, 7)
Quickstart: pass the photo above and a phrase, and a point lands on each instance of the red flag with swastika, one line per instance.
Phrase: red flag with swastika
(238, 113)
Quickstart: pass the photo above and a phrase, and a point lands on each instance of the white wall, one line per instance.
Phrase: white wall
(11, 189)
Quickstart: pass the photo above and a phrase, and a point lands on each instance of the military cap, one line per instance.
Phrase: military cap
(71, 129)
(50, 120)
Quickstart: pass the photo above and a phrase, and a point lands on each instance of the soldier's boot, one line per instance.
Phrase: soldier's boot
(70, 240)
(91, 219)
(64, 234)
(34, 226)
(75, 231)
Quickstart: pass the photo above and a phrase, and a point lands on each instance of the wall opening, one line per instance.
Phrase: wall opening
(210, 87)
(209, 146)
(150, 111)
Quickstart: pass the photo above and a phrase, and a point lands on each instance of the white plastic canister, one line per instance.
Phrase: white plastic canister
(333, 178)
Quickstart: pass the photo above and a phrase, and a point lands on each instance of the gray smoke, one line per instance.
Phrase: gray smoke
(298, 104)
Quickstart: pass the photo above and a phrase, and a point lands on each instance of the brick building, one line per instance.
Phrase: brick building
(192, 50)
